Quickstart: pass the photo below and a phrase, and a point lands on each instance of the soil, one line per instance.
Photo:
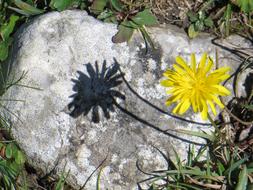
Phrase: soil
(173, 11)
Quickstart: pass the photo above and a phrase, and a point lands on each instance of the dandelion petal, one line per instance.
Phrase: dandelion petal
(222, 90)
(217, 101)
(204, 110)
(184, 107)
(175, 110)
(203, 61)
(166, 83)
(181, 62)
(211, 104)
(209, 65)
(193, 62)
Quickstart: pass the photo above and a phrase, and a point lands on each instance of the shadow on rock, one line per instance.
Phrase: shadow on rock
(95, 90)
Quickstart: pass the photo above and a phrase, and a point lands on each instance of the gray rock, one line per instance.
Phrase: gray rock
(55, 49)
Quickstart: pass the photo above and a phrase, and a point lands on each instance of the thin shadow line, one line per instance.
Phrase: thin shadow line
(87, 180)
(156, 107)
(153, 126)
(152, 176)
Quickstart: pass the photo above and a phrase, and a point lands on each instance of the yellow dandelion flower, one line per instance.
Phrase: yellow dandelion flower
(195, 85)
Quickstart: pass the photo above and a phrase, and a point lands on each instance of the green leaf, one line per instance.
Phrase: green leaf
(227, 154)
(30, 2)
(28, 9)
(196, 172)
(208, 22)
(178, 163)
(61, 5)
(190, 155)
(147, 38)
(249, 106)
(227, 15)
(19, 11)
(98, 6)
(190, 186)
(14, 149)
(145, 18)
(221, 168)
(8, 151)
(192, 16)
(235, 165)
(20, 158)
(245, 5)
(242, 180)
(4, 48)
(200, 154)
(198, 134)
(8, 28)
(112, 19)
(117, 5)
(201, 15)
(199, 25)
(192, 32)
(14, 166)
(125, 32)
(6, 170)
(60, 183)
(107, 14)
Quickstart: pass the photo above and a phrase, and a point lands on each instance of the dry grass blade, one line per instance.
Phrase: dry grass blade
(247, 123)
(206, 185)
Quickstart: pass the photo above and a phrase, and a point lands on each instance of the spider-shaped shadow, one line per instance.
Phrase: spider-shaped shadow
(95, 90)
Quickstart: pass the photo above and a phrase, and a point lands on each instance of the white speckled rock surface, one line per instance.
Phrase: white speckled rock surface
(51, 49)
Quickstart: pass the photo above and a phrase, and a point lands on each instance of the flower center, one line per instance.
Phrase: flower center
(197, 84)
